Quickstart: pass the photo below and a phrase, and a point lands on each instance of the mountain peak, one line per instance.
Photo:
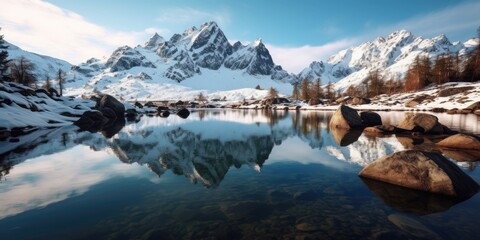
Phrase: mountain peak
(402, 33)
(257, 42)
(154, 41)
(442, 39)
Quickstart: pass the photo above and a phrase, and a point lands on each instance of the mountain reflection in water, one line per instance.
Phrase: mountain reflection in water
(308, 183)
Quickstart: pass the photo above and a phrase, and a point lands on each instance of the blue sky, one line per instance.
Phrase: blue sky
(307, 30)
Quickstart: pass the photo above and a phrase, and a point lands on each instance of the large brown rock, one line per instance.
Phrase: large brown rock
(430, 172)
(412, 122)
(461, 141)
(346, 117)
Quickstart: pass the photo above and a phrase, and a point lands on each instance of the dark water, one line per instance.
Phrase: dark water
(223, 175)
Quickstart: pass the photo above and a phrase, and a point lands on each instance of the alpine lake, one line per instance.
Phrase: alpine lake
(225, 174)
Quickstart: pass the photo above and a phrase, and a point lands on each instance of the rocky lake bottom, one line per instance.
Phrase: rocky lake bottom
(225, 174)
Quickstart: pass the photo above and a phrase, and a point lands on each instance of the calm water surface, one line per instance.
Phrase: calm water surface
(224, 174)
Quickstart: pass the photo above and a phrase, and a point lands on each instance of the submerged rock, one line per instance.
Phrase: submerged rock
(346, 117)
(461, 141)
(430, 172)
(410, 200)
(413, 227)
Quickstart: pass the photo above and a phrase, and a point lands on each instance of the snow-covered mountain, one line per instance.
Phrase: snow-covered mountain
(203, 60)
(391, 55)
(199, 59)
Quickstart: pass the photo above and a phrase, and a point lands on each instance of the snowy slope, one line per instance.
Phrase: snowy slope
(43, 65)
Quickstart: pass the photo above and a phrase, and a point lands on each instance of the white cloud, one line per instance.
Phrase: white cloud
(450, 21)
(44, 28)
(295, 59)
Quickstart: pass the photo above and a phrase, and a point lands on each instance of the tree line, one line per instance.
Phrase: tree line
(21, 70)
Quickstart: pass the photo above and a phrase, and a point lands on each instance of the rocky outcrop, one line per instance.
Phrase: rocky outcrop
(461, 141)
(423, 171)
(346, 117)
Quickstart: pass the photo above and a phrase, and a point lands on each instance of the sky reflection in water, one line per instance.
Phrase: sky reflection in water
(290, 164)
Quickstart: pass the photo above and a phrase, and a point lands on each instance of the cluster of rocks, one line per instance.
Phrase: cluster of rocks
(109, 115)
(414, 169)
(472, 108)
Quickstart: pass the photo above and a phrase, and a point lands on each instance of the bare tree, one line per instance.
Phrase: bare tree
(272, 93)
(47, 85)
(61, 80)
(305, 89)
(21, 71)
(295, 92)
(201, 98)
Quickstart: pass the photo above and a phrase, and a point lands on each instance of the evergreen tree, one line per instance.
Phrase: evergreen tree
(258, 87)
(21, 71)
(3, 59)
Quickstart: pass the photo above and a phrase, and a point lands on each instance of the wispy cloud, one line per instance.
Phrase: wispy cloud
(44, 28)
(192, 16)
(295, 59)
(450, 21)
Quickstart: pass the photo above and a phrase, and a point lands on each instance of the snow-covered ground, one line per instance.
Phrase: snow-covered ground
(21, 106)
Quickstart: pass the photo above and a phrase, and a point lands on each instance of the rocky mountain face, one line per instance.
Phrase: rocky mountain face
(185, 55)
(392, 55)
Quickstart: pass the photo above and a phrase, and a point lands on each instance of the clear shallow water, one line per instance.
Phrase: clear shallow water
(223, 175)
